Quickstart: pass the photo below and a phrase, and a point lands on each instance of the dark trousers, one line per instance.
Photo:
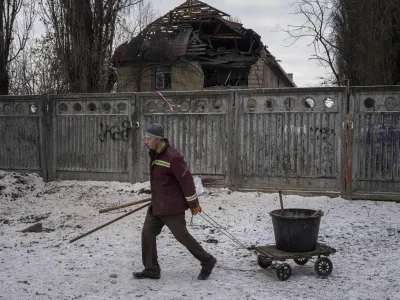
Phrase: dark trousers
(177, 224)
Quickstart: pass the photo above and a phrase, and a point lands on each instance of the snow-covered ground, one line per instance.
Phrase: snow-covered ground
(366, 235)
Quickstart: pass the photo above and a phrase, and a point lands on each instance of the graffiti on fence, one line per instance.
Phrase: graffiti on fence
(297, 129)
(383, 134)
(388, 136)
(323, 130)
(303, 129)
(115, 132)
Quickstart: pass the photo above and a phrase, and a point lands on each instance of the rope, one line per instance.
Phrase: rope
(221, 229)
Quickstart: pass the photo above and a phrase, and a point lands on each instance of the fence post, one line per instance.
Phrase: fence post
(50, 156)
(349, 140)
(347, 146)
(134, 159)
(44, 138)
(234, 123)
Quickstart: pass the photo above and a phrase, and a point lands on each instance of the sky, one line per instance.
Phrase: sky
(264, 17)
(46, 266)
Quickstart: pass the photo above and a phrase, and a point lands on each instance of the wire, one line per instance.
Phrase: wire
(220, 228)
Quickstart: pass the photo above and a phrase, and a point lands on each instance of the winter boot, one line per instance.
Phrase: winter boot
(206, 271)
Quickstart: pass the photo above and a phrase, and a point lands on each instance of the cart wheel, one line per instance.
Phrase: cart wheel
(323, 266)
(301, 260)
(283, 272)
(263, 262)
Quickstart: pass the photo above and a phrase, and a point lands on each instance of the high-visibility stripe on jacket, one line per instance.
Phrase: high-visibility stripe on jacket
(162, 163)
(172, 187)
(191, 198)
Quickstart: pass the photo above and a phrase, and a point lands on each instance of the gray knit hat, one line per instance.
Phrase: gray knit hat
(155, 130)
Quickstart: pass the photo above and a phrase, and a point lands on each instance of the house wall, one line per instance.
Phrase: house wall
(128, 79)
(186, 76)
(257, 75)
(262, 76)
(189, 76)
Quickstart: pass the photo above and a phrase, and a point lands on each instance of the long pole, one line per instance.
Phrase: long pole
(123, 205)
(280, 199)
(108, 223)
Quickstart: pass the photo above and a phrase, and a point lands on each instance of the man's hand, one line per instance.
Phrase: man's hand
(196, 210)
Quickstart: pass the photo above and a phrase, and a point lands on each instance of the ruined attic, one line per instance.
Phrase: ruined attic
(194, 47)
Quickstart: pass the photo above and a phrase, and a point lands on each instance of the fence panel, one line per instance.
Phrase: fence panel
(290, 139)
(92, 137)
(200, 128)
(375, 112)
(22, 134)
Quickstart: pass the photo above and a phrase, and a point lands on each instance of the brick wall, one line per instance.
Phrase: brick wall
(262, 76)
(187, 77)
(128, 79)
(256, 75)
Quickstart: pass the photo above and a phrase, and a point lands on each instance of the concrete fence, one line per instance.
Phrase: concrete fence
(321, 141)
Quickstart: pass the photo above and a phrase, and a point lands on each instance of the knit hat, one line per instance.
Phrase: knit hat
(155, 130)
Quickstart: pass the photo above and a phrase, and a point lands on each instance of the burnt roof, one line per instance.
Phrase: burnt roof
(193, 23)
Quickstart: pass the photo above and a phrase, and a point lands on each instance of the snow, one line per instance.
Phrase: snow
(45, 265)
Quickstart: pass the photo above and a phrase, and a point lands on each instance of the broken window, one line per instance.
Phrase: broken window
(225, 77)
(163, 77)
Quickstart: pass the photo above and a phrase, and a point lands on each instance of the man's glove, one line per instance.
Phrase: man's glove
(196, 210)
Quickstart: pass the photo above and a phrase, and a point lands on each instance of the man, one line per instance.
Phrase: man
(173, 192)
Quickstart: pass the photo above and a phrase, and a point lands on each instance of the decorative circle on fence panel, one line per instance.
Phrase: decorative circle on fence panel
(77, 107)
(19, 108)
(369, 103)
(391, 103)
(328, 102)
(289, 103)
(92, 107)
(122, 106)
(63, 107)
(251, 104)
(7, 108)
(309, 102)
(270, 104)
(217, 104)
(201, 106)
(151, 106)
(184, 106)
(33, 108)
(107, 107)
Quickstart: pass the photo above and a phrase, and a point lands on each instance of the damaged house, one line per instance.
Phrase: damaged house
(194, 47)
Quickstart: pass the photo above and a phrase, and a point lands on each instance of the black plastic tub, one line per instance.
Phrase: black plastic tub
(297, 230)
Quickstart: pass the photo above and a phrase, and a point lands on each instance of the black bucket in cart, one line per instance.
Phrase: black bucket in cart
(297, 230)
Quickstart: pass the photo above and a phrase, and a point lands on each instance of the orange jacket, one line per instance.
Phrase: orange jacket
(172, 186)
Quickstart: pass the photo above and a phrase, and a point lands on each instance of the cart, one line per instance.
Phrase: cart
(268, 256)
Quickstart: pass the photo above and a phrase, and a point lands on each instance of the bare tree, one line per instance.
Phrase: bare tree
(320, 27)
(84, 33)
(368, 35)
(22, 79)
(127, 29)
(36, 70)
(132, 23)
(16, 21)
(357, 40)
